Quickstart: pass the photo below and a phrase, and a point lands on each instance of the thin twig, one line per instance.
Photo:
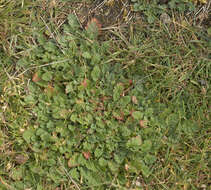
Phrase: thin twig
(73, 181)
(99, 6)
(52, 35)
(52, 63)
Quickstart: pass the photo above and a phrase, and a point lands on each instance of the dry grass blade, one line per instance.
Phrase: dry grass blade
(67, 174)
(6, 185)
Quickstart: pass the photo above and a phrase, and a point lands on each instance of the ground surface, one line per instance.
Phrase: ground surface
(105, 95)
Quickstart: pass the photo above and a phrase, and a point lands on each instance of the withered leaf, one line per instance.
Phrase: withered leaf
(87, 155)
(21, 159)
(134, 100)
(35, 77)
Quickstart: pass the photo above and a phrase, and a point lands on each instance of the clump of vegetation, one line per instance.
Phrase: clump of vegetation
(131, 112)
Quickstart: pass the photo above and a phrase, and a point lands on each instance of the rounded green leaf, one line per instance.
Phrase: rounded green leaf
(47, 76)
(96, 73)
(86, 55)
(137, 115)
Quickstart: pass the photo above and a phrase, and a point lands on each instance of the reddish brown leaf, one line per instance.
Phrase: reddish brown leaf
(130, 82)
(143, 123)
(87, 155)
(84, 83)
(96, 22)
(35, 78)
